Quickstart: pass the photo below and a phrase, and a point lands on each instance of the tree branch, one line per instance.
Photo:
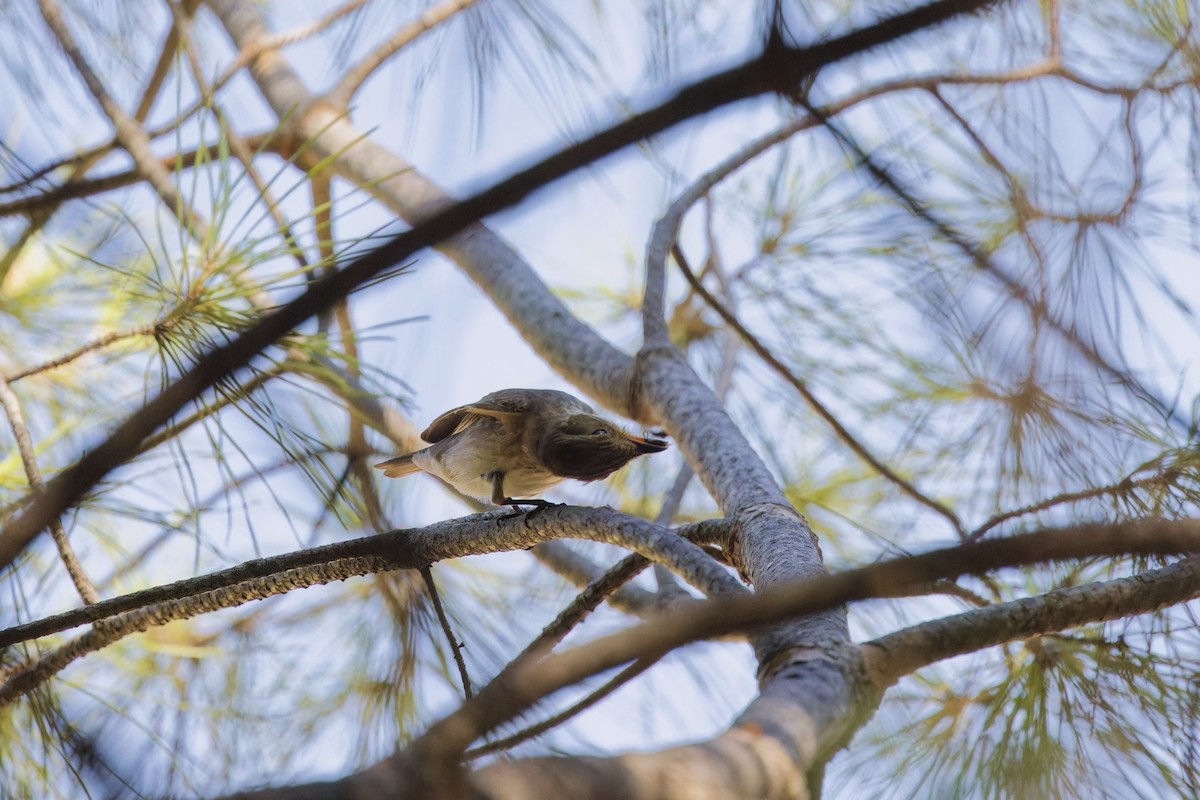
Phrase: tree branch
(582, 571)
(897, 654)
(666, 230)
(352, 81)
(16, 421)
(129, 131)
(418, 547)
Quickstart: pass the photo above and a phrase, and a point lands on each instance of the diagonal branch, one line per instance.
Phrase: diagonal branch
(352, 81)
(129, 131)
(16, 421)
(85, 162)
(902, 652)
(400, 549)
(418, 547)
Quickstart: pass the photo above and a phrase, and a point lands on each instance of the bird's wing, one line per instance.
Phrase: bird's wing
(456, 419)
(504, 405)
(545, 400)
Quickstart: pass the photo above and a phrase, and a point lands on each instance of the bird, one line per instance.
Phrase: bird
(514, 444)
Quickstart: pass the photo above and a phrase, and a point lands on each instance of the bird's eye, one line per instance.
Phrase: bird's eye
(600, 432)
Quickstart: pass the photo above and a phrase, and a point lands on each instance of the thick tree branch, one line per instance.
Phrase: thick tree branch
(413, 548)
(897, 654)
(401, 549)
(723, 616)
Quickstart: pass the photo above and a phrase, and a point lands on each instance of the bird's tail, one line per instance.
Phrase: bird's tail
(398, 467)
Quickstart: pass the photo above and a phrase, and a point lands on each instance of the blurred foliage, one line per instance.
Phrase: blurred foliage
(1077, 182)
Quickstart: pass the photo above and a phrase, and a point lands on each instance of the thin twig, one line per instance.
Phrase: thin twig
(244, 389)
(96, 344)
(455, 645)
(581, 571)
(583, 704)
(585, 603)
(248, 54)
(242, 150)
(668, 587)
(370, 493)
(1060, 499)
(129, 131)
(348, 86)
(12, 407)
(74, 189)
(40, 217)
(666, 230)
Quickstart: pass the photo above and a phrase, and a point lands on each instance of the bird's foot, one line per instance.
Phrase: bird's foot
(538, 507)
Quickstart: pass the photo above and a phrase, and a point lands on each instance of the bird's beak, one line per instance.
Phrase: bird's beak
(647, 445)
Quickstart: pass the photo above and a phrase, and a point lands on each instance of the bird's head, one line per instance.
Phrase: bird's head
(586, 447)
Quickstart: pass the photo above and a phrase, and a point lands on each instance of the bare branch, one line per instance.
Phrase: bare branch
(490, 532)
(401, 549)
(20, 681)
(666, 230)
(1121, 487)
(98, 343)
(583, 704)
(890, 657)
(342, 94)
(16, 421)
(81, 165)
(582, 572)
(46, 201)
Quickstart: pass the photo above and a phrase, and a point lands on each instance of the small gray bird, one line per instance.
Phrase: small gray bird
(516, 443)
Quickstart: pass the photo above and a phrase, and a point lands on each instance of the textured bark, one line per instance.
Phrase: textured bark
(401, 549)
(890, 657)
(414, 548)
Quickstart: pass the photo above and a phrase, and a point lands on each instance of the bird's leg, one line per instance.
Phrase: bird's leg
(498, 499)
